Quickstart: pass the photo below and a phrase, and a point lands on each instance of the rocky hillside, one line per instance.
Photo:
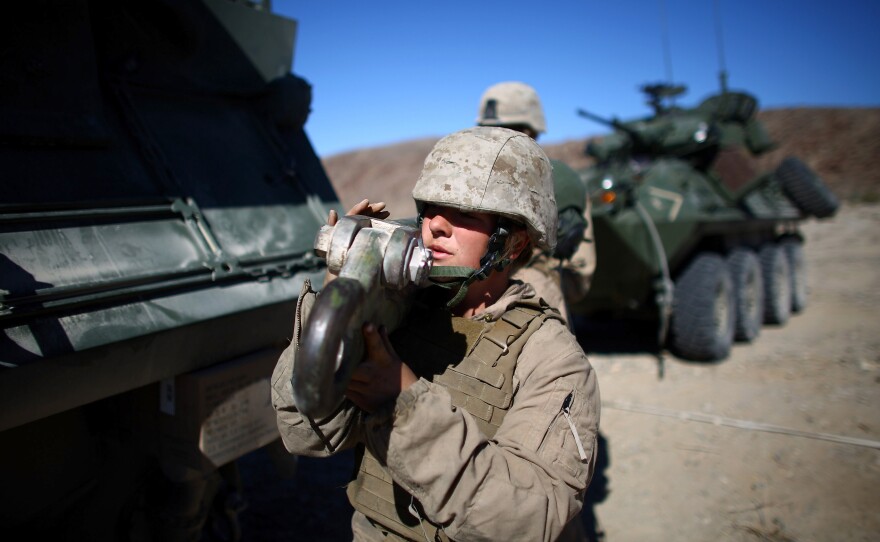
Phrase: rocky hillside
(842, 145)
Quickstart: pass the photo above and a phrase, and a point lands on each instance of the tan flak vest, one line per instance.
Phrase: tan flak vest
(474, 360)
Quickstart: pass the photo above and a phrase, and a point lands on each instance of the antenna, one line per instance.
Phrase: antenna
(667, 57)
(722, 75)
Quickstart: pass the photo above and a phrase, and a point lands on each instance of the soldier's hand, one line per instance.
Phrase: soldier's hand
(381, 376)
(363, 207)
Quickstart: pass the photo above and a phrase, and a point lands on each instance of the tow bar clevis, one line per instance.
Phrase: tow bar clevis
(378, 263)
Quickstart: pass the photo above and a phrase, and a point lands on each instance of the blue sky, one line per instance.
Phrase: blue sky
(384, 72)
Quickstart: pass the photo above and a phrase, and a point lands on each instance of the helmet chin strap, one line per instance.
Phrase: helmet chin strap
(496, 258)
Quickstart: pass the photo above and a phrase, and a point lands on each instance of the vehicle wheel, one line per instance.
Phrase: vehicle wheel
(702, 310)
(806, 189)
(794, 251)
(748, 293)
(777, 284)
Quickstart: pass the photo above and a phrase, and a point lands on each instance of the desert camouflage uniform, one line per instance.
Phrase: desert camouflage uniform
(524, 483)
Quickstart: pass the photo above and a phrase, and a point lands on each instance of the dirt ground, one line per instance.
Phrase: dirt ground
(674, 478)
(780, 442)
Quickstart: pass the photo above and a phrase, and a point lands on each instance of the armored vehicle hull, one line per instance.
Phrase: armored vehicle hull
(158, 212)
(691, 233)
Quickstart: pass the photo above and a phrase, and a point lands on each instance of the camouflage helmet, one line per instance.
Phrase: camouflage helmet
(493, 170)
(512, 104)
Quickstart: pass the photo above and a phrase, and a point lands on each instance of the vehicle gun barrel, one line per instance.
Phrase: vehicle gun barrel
(612, 122)
(596, 118)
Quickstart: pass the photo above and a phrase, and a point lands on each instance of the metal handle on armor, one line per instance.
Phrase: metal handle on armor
(378, 264)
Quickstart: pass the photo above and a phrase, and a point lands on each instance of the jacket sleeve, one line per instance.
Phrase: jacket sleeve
(527, 482)
(302, 435)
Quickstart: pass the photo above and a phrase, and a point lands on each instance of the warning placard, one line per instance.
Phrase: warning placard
(219, 413)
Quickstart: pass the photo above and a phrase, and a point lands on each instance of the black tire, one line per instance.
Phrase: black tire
(777, 284)
(794, 251)
(702, 310)
(805, 189)
(748, 293)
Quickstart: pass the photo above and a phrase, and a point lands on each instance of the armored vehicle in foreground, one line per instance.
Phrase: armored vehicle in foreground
(160, 200)
(690, 231)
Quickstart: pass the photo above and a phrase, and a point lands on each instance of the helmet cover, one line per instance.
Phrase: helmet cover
(512, 104)
(492, 170)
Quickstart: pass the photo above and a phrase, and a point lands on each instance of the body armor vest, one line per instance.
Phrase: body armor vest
(474, 360)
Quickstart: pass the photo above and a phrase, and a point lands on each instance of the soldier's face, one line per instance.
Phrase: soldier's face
(457, 237)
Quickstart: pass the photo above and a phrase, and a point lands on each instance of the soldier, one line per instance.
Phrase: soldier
(477, 419)
(563, 276)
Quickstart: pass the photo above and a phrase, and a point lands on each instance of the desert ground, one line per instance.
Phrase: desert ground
(779, 442)
(749, 448)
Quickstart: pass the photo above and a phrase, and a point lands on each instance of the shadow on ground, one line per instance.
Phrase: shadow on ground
(308, 503)
(616, 335)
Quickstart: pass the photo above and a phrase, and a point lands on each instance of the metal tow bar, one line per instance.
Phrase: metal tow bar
(378, 263)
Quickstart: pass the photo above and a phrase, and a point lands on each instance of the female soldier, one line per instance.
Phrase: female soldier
(477, 419)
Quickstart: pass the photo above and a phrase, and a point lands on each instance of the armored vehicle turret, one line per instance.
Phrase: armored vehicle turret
(159, 205)
(690, 231)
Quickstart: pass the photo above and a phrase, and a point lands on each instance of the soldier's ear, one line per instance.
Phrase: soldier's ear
(519, 241)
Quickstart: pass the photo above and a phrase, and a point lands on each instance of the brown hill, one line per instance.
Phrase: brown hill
(841, 144)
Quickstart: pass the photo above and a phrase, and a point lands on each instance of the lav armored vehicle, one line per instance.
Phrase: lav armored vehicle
(160, 200)
(690, 232)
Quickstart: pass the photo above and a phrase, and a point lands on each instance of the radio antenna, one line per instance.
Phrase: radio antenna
(667, 56)
(722, 75)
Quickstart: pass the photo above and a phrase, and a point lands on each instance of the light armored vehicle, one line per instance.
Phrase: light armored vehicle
(690, 231)
(160, 201)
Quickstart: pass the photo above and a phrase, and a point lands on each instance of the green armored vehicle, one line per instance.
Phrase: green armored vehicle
(160, 200)
(690, 232)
